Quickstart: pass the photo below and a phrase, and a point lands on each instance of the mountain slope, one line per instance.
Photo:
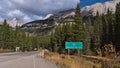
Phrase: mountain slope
(100, 7)
(42, 27)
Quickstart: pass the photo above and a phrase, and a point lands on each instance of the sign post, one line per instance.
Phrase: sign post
(74, 45)
(41, 52)
(78, 52)
(68, 52)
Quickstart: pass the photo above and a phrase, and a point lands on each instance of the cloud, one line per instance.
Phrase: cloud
(15, 13)
(28, 10)
(1, 19)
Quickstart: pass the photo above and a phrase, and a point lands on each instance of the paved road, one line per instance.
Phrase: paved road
(25, 60)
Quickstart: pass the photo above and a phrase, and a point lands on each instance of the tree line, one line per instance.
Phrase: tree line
(10, 38)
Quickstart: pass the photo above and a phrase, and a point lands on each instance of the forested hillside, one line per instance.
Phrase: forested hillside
(10, 38)
(100, 34)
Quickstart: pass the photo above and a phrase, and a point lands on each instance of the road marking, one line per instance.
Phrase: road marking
(33, 61)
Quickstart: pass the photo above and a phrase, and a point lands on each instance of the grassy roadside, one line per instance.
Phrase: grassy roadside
(5, 51)
(63, 61)
(72, 62)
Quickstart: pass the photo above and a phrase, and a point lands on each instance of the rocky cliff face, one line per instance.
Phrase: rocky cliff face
(100, 7)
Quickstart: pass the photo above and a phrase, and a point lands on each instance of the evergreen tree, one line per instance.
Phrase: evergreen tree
(78, 31)
(6, 35)
(97, 32)
(29, 44)
(10, 38)
(104, 34)
(110, 26)
(117, 26)
(87, 40)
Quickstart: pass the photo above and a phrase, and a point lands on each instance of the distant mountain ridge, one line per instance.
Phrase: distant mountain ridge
(13, 23)
(46, 25)
(100, 7)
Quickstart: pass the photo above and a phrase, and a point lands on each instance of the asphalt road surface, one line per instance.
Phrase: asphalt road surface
(24, 60)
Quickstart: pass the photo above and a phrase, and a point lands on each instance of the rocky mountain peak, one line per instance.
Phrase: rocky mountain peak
(13, 22)
(100, 7)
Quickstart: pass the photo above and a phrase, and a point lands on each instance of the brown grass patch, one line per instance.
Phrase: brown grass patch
(64, 61)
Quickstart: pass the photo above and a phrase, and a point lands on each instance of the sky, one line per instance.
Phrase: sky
(90, 2)
(29, 10)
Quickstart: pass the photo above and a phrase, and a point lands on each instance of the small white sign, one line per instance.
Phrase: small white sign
(17, 49)
(42, 53)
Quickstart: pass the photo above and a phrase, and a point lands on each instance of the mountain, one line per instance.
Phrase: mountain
(12, 22)
(49, 15)
(46, 25)
(100, 7)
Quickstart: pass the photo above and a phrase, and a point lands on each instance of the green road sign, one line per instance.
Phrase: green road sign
(73, 45)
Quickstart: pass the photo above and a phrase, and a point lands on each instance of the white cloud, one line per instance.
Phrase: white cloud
(1, 19)
(15, 13)
(33, 9)
(37, 17)
(26, 18)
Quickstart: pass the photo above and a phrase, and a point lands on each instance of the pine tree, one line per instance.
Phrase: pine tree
(18, 37)
(53, 42)
(6, 35)
(117, 26)
(104, 38)
(23, 43)
(29, 44)
(78, 31)
(97, 32)
(87, 40)
(110, 26)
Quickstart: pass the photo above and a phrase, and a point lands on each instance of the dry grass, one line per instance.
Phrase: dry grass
(105, 62)
(64, 62)
(5, 50)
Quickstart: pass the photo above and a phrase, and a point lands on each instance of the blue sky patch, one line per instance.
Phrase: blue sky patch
(90, 2)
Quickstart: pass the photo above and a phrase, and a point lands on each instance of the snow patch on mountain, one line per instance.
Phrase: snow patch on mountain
(47, 16)
(69, 14)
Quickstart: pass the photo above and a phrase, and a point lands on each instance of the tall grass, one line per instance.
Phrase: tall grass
(69, 62)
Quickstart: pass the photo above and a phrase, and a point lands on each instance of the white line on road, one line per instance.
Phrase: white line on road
(33, 61)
